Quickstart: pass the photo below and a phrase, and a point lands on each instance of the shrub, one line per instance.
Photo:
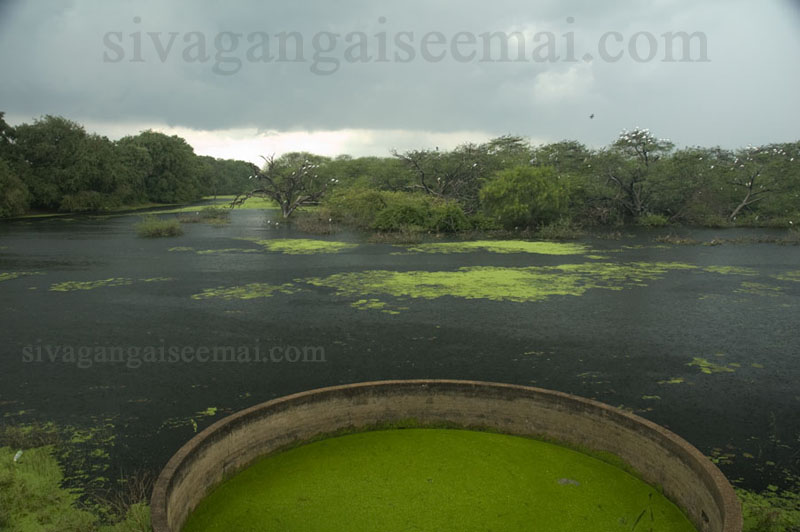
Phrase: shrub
(154, 227)
(400, 216)
(653, 220)
(525, 196)
(563, 229)
(448, 217)
(356, 207)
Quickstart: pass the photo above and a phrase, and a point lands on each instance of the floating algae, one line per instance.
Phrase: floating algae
(434, 479)
(501, 246)
(69, 286)
(793, 276)
(302, 246)
(496, 283)
(760, 289)
(226, 251)
(376, 304)
(731, 270)
(709, 367)
(8, 276)
(248, 291)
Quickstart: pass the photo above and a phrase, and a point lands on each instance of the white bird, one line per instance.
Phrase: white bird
(19, 453)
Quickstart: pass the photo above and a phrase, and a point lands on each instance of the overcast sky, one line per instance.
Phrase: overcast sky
(405, 75)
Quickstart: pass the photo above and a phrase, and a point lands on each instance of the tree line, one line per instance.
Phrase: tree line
(53, 164)
(507, 183)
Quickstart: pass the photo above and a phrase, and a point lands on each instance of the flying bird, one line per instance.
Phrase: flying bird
(591, 116)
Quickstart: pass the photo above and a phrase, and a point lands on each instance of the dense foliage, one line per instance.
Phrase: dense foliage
(54, 164)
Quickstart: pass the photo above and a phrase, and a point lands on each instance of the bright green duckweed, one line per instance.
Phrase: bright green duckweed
(302, 246)
(434, 479)
(501, 246)
(500, 284)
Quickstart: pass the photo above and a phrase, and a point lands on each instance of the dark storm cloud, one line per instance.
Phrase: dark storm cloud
(111, 62)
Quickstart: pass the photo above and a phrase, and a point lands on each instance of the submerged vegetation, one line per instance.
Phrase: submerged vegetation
(154, 227)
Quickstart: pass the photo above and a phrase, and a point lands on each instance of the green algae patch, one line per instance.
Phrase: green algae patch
(731, 270)
(788, 276)
(302, 246)
(248, 291)
(226, 251)
(434, 479)
(501, 246)
(759, 289)
(71, 286)
(497, 283)
(10, 276)
(191, 421)
(674, 380)
(376, 304)
(709, 368)
(180, 249)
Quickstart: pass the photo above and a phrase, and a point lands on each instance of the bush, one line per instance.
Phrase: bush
(356, 207)
(406, 215)
(653, 220)
(86, 201)
(448, 217)
(563, 229)
(154, 227)
(525, 196)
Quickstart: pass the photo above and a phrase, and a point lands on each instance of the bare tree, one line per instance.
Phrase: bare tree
(292, 181)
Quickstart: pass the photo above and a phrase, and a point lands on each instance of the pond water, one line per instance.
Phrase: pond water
(701, 339)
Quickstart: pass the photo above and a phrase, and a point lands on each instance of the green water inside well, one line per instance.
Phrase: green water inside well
(434, 480)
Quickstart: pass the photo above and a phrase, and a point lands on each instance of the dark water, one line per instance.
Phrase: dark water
(618, 346)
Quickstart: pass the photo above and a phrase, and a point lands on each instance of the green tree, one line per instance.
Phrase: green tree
(53, 147)
(525, 196)
(172, 169)
(13, 192)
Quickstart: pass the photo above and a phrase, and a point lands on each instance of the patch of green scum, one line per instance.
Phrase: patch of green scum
(501, 246)
(651, 397)
(434, 479)
(181, 249)
(788, 276)
(69, 286)
(760, 289)
(302, 246)
(731, 270)
(757, 365)
(248, 291)
(598, 257)
(709, 367)
(377, 304)
(190, 421)
(9, 276)
(369, 304)
(225, 251)
(674, 380)
(496, 283)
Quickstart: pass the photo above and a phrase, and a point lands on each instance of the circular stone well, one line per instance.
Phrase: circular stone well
(230, 445)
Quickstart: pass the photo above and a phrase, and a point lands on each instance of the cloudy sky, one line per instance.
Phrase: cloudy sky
(240, 79)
